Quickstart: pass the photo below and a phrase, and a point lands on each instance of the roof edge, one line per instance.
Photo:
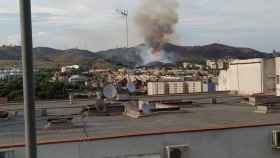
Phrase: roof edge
(137, 134)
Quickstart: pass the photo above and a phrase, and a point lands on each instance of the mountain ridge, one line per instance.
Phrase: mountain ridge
(131, 57)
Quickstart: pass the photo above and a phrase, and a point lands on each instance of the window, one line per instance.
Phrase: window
(7, 154)
(177, 151)
(276, 139)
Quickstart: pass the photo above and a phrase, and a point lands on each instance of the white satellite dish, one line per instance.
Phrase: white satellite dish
(110, 91)
(131, 87)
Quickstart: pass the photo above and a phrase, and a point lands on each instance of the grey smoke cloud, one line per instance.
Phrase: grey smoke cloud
(156, 20)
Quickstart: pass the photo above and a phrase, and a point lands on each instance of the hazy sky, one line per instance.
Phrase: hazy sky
(94, 24)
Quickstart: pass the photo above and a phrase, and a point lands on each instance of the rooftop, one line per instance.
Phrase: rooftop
(199, 116)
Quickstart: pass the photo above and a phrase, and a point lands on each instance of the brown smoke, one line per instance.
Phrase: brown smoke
(156, 20)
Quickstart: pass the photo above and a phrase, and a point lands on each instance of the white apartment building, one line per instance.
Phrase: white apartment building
(194, 86)
(65, 69)
(175, 87)
(157, 88)
(211, 64)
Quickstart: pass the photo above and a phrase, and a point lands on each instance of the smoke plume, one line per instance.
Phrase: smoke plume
(156, 20)
(147, 55)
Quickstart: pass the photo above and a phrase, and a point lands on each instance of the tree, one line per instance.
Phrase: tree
(44, 88)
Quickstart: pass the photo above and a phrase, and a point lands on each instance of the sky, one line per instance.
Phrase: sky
(95, 25)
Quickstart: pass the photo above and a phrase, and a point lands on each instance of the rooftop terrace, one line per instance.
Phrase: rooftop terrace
(199, 116)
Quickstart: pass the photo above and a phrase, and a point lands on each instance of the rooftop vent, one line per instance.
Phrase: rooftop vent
(176, 151)
(59, 121)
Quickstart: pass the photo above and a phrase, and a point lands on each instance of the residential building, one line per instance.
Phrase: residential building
(208, 87)
(194, 86)
(247, 77)
(157, 88)
(177, 87)
(212, 64)
(277, 76)
(219, 64)
(10, 72)
(67, 69)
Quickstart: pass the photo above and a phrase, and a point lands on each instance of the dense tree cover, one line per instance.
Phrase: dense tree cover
(45, 88)
(11, 88)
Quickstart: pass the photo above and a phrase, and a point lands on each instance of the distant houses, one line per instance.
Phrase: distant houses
(219, 64)
(10, 73)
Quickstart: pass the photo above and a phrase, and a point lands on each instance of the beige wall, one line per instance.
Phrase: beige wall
(249, 78)
(223, 81)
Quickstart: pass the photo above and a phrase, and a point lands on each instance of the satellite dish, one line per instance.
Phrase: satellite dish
(131, 87)
(110, 91)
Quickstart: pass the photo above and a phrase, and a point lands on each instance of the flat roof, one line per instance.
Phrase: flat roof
(199, 116)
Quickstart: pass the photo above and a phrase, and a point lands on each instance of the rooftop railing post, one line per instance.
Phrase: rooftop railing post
(27, 62)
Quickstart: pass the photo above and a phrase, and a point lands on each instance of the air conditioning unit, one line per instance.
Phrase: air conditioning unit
(4, 115)
(176, 151)
(276, 139)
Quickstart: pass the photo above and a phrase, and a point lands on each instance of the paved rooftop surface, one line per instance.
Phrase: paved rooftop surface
(199, 115)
